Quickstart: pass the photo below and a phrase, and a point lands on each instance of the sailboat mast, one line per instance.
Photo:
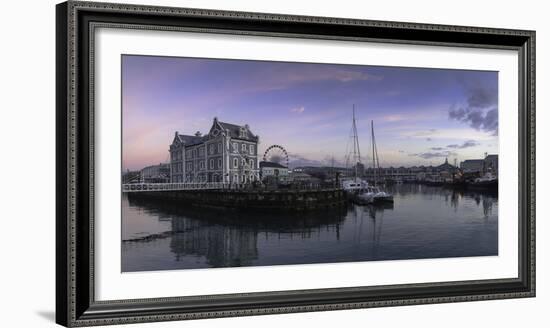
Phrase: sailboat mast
(373, 152)
(356, 150)
(375, 159)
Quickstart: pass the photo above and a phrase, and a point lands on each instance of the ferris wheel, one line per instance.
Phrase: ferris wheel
(276, 154)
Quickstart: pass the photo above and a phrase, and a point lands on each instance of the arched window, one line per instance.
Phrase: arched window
(235, 162)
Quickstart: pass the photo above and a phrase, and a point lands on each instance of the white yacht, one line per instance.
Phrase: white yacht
(356, 187)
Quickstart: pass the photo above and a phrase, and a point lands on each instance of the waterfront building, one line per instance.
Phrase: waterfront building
(359, 168)
(305, 179)
(481, 166)
(445, 167)
(156, 173)
(415, 173)
(131, 177)
(491, 164)
(227, 153)
(472, 165)
(272, 170)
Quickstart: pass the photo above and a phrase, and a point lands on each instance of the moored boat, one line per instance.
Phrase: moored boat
(486, 182)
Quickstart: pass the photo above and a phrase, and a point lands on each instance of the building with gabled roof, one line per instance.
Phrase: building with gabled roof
(228, 153)
(491, 164)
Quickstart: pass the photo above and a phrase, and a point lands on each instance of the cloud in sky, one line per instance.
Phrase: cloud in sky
(394, 118)
(480, 110)
(297, 160)
(466, 144)
(281, 76)
(332, 72)
(298, 110)
(448, 134)
(305, 107)
(435, 154)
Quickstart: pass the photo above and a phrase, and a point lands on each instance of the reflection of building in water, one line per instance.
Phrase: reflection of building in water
(487, 206)
(222, 246)
(229, 239)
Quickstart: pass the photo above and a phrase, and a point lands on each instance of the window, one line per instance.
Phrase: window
(243, 147)
(243, 162)
(201, 165)
(235, 178)
(219, 147)
(251, 149)
(235, 162)
(219, 163)
(212, 163)
(211, 149)
(243, 178)
(251, 177)
(252, 163)
(235, 147)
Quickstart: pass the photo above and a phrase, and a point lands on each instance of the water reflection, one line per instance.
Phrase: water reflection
(452, 196)
(424, 222)
(229, 238)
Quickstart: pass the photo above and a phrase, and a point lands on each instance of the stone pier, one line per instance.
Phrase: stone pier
(254, 200)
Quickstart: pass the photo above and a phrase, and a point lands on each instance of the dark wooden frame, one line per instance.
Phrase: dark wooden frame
(75, 303)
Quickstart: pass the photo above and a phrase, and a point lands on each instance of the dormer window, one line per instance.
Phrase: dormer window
(243, 133)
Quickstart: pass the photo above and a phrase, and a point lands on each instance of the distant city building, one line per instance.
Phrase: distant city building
(272, 170)
(304, 179)
(131, 177)
(491, 164)
(445, 167)
(414, 173)
(156, 174)
(472, 165)
(481, 166)
(360, 169)
(228, 153)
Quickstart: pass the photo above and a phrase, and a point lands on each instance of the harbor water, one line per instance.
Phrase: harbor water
(423, 222)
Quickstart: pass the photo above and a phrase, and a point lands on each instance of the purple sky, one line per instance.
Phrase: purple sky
(420, 115)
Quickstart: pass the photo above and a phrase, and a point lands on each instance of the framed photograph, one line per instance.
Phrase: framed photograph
(214, 163)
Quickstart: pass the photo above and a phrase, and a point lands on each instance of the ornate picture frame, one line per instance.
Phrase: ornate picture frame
(76, 304)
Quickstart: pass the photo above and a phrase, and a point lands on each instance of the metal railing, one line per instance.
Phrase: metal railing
(140, 187)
